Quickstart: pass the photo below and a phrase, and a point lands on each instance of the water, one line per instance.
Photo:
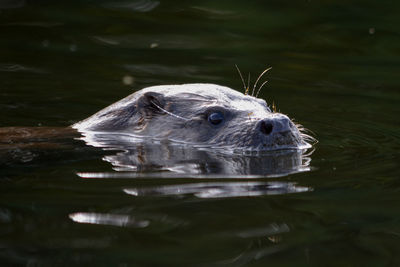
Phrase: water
(334, 69)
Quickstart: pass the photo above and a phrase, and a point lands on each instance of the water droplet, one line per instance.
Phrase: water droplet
(73, 48)
(371, 30)
(45, 43)
(128, 80)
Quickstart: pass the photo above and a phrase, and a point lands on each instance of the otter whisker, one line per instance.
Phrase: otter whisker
(169, 113)
(273, 107)
(298, 125)
(306, 137)
(259, 89)
(259, 77)
(303, 129)
(241, 77)
(309, 153)
(248, 84)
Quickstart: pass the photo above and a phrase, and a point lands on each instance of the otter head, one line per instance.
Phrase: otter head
(205, 114)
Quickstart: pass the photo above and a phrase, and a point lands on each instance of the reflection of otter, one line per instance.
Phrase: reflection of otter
(193, 161)
(204, 114)
(139, 157)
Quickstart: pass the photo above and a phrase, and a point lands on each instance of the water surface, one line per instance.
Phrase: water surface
(335, 70)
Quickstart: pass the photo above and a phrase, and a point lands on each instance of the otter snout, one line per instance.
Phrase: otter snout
(277, 124)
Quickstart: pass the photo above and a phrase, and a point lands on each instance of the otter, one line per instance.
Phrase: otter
(200, 114)
(228, 132)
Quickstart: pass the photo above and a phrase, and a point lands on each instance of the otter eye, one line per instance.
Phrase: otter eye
(215, 118)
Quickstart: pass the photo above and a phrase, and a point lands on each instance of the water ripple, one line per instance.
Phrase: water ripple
(5, 67)
(157, 41)
(213, 13)
(221, 190)
(187, 71)
(8, 4)
(108, 219)
(137, 6)
(35, 24)
(272, 229)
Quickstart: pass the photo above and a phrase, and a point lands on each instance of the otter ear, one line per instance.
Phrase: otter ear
(151, 103)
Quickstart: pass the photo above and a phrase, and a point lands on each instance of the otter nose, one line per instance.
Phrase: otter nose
(276, 124)
(266, 127)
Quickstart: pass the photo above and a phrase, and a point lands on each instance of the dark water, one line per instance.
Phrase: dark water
(335, 70)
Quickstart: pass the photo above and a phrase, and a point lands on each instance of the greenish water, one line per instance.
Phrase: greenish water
(335, 70)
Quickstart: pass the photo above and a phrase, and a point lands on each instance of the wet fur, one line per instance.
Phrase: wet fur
(179, 112)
